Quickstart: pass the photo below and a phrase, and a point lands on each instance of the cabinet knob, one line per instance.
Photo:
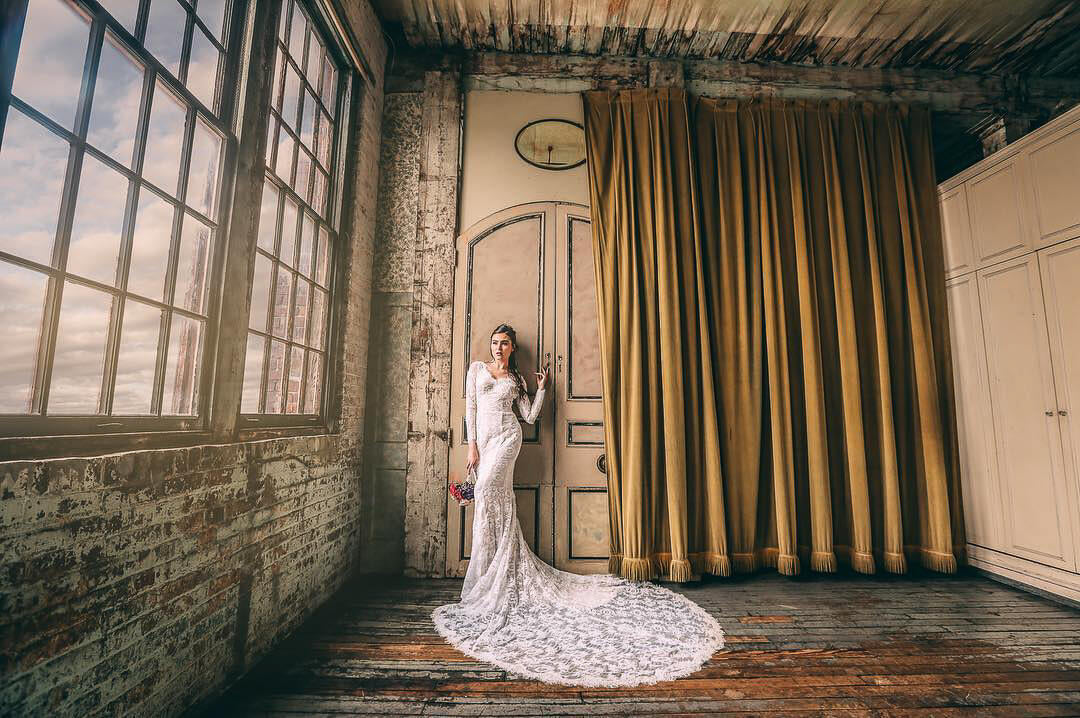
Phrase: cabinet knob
(1063, 413)
(1049, 413)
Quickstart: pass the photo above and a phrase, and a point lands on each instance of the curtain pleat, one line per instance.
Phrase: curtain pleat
(774, 336)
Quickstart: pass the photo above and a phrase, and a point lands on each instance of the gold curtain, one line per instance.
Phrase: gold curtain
(771, 299)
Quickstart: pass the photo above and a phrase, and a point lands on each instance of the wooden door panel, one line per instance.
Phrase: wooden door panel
(1026, 432)
(1060, 267)
(581, 508)
(978, 467)
(504, 275)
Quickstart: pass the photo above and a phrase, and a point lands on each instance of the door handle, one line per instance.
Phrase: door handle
(560, 363)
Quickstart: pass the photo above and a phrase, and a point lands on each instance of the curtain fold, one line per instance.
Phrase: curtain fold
(774, 342)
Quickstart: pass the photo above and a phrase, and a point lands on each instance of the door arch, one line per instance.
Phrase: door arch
(530, 266)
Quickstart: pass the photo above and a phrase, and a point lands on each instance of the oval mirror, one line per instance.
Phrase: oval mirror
(551, 144)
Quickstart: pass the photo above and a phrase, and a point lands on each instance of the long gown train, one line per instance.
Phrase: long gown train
(536, 621)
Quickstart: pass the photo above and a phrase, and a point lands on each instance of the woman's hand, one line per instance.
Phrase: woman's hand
(472, 458)
(542, 377)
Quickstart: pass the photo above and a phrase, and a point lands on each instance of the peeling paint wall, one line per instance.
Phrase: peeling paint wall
(383, 548)
(145, 582)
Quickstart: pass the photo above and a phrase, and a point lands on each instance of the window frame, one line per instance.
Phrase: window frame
(337, 217)
(41, 436)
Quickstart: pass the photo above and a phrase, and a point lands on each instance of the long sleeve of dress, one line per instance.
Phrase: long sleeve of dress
(470, 403)
(531, 409)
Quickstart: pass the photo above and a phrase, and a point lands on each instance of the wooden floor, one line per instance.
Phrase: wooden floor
(821, 645)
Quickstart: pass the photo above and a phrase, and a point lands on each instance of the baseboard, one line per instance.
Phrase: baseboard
(1053, 583)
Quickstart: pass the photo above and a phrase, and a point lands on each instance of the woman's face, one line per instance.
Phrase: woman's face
(501, 347)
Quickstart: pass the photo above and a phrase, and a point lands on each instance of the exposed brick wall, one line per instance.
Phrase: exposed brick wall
(144, 582)
(126, 578)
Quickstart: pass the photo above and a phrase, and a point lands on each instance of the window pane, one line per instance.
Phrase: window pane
(313, 62)
(165, 139)
(137, 361)
(268, 216)
(165, 33)
(300, 310)
(22, 302)
(202, 176)
(98, 223)
(33, 162)
(296, 378)
(303, 174)
(296, 33)
(203, 68)
(253, 362)
(150, 246)
(290, 100)
(287, 248)
(192, 280)
(79, 358)
(307, 120)
(49, 69)
(117, 97)
(329, 84)
(319, 192)
(283, 167)
(125, 11)
(271, 141)
(313, 391)
(324, 138)
(182, 366)
(318, 318)
(307, 240)
(322, 264)
(260, 292)
(275, 375)
(279, 61)
(279, 323)
(283, 19)
(212, 12)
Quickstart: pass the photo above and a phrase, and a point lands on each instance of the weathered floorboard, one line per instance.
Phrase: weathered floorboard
(848, 645)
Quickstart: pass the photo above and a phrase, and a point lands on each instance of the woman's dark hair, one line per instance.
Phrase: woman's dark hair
(511, 364)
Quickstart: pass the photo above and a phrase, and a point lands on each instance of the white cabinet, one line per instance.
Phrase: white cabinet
(959, 254)
(1054, 163)
(982, 503)
(1060, 267)
(997, 216)
(1026, 436)
(1011, 233)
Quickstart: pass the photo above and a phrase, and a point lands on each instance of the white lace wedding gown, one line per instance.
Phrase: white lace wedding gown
(536, 621)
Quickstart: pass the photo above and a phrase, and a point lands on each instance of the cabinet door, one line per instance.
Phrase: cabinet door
(978, 468)
(1027, 439)
(1060, 267)
(1054, 165)
(959, 254)
(997, 217)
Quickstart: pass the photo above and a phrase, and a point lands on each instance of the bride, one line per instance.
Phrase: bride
(534, 620)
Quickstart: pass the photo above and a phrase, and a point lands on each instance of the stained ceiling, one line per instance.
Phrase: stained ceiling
(983, 36)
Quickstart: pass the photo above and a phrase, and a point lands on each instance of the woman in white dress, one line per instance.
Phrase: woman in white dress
(534, 620)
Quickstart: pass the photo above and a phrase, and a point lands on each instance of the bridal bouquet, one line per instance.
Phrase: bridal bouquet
(464, 491)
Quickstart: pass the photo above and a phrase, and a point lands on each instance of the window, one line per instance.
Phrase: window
(119, 157)
(111, 164)
(285, 363)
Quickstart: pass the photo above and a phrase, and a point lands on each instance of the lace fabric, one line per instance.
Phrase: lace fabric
(539, 622)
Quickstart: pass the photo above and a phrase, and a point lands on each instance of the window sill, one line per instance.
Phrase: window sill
(34, 448)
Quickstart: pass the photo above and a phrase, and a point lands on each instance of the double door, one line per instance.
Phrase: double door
(531, 266)
(1016, 341)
